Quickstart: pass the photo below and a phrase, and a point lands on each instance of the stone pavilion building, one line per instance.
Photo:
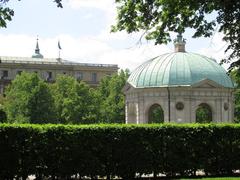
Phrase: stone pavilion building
(179, 87)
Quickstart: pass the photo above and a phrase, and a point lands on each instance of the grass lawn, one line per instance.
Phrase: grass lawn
(216, 178)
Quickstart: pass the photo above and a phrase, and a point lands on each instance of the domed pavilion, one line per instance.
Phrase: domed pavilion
(179, 87)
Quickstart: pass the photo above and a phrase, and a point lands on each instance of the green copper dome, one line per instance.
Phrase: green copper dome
(178, 69)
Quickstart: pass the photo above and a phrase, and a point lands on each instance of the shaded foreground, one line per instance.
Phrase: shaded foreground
(124, 151)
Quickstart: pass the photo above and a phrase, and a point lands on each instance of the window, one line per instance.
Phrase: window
(4, 74)
(94, 77)
(49, 75)
(79, 75)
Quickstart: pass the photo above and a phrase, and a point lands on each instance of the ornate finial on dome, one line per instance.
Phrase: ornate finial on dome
(179, 43)
(37, 53)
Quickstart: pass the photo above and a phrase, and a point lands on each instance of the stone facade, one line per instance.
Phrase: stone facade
(217, 97)
(48, 69)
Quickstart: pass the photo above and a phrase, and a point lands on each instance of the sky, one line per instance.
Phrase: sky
(83, 29)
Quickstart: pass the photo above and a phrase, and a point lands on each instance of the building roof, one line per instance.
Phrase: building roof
(49, 61)
(178, 69)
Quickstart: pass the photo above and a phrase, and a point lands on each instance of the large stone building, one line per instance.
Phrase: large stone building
(179, 87)
(48, 69)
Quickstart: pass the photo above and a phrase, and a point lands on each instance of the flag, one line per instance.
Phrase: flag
(59, 46)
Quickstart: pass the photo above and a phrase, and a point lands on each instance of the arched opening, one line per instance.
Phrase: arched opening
(3, 116)
(155, 114)
(203, 113)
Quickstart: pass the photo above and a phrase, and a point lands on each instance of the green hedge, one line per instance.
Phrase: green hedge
(59, 151)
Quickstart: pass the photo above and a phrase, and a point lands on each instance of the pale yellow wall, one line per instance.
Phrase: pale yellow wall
(56, 69)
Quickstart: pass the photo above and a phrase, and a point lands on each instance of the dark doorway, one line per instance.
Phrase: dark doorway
(203, 113)
(155, 114)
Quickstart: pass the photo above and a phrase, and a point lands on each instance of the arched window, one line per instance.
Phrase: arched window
(203, 113)
(155, 114)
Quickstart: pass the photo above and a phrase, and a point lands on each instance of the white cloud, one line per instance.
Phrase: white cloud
(16, 45)
(99, 49)
(86, 49)
(104, 48)
(132, 57)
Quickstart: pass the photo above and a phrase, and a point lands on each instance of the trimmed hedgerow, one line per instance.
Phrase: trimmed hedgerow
(59, 151)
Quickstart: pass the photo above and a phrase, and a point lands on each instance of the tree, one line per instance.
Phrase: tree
(28, 100)
(235, 75)
(6, 13)
(3, 115)
(73, 101)
(158, 17)
(112, 99)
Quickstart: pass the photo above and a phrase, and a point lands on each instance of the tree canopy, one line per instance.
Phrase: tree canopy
(73, 101)
(159, 17)
(67, 101)
(28, 100)
(112, 99)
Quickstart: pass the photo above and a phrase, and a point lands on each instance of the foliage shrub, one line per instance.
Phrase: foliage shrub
(62, 152)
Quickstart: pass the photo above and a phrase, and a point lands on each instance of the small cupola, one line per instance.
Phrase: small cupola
(37, 53)
(179, 43)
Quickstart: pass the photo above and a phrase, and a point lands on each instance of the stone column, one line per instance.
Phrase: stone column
(187, 110)
(217, 110)
(126, 112)
(137, 112)
(141, 111)
(193, 104)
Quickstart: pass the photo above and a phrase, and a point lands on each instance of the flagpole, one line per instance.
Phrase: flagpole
(59, 57)
(59, 50)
